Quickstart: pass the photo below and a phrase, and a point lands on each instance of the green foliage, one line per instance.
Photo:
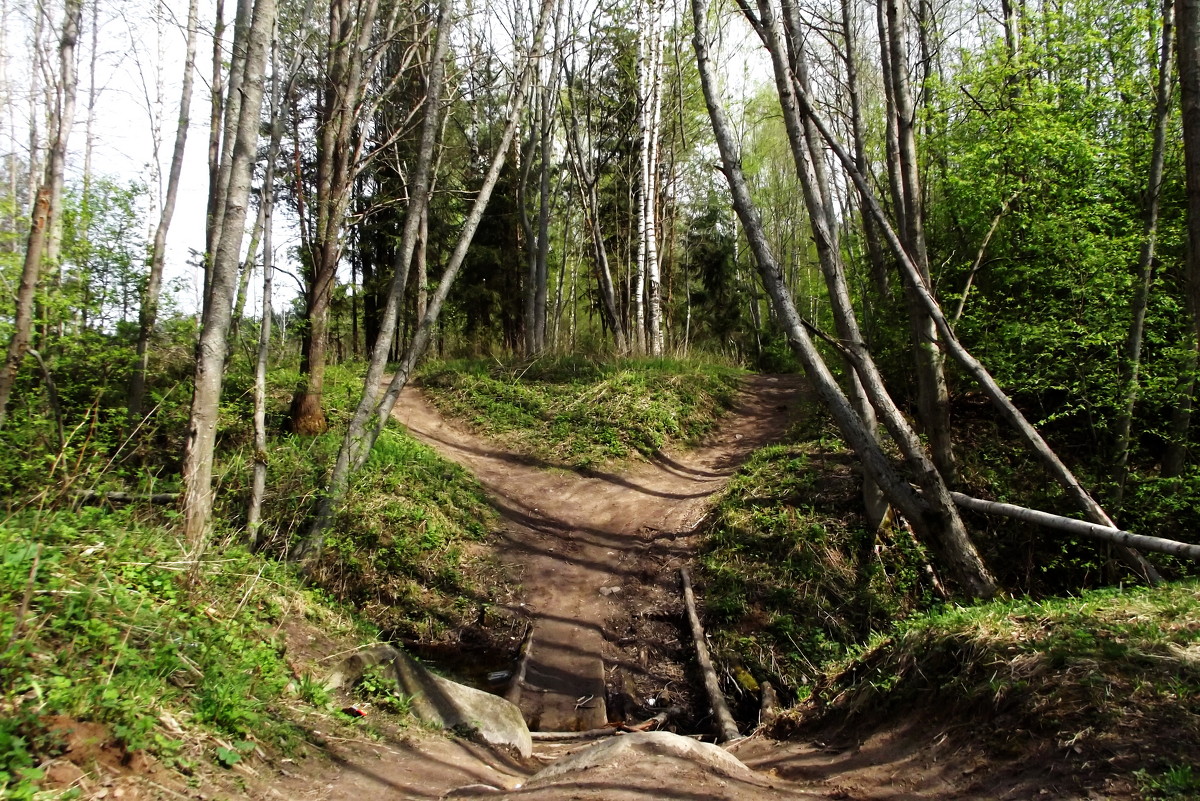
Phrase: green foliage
(112, 634)
(1061, 135)
(792, 578)
(1180, 781)
(578, 413)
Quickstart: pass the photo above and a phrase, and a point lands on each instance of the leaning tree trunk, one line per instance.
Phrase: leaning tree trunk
(968, 570)
(1008, 410)
(932, 396)
(148, 314)
(197, 499)
(45, 209)
(950, 537)
(362, 432)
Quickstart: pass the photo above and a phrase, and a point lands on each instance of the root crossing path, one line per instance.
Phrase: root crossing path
(597, 558)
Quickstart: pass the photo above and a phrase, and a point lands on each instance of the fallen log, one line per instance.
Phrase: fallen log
(726, 728)
(1141, 542)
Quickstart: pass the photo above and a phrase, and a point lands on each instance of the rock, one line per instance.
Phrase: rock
(455, 706)
(443, 702)
(625, 750)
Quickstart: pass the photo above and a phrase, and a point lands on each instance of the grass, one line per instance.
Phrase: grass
(112, 633)
(97, 623)
(1110, 678)
(579, 413)
(792, 577)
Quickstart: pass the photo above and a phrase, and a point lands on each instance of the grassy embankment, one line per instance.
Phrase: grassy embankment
(577, 413)
(105, 619)
(1105, 681)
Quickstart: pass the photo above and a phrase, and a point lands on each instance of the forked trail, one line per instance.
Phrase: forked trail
(597, 555)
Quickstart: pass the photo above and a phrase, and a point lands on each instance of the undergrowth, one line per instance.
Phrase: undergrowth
(793, 577)
(575, 412)
(1111, 677)
(98, 623)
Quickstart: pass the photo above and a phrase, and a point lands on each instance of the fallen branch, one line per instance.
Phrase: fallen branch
(770, 705)
(726, 728)
(1141, 542)
(650, 724)
(91, 496)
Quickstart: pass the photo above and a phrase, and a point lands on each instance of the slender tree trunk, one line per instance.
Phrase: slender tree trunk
(934, 522)
(197, 499)
(1187, 24)
(226, 118)
(932, 395)
(350, 25)
(148, 314)
(1008, 410)
(363, 431)
(1132, 355)
(267, 205)
(45, 209)
(590, 203)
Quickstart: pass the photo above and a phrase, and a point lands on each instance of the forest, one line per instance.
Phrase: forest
(580, 229)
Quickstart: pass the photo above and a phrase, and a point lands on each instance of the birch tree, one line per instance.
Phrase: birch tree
(148, 314)
(46, 203)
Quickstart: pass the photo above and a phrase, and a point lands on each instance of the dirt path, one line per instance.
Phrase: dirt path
(597, 557)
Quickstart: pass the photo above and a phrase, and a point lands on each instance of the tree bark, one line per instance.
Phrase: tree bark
(197, 500)
(971, 574)
(1131, 362)
(1187, 25)
(1112, 534)
(45, 209)
(349, 34)
(932, 396)
(363, 431)
(148, 313)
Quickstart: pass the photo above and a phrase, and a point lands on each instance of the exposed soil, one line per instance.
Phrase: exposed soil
(596, 557)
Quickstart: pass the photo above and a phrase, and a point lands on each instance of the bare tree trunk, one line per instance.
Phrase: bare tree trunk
(247, 270)
(349, 31)
(363, 431)
(148, 315)
(875, 256)
(1008, 410)
(935, 523)
(651, 124)
(225, 116)
(45, 209)
(1132, 356)
(197, 500)
(932, 395)
(267, 208)
(590, 203)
